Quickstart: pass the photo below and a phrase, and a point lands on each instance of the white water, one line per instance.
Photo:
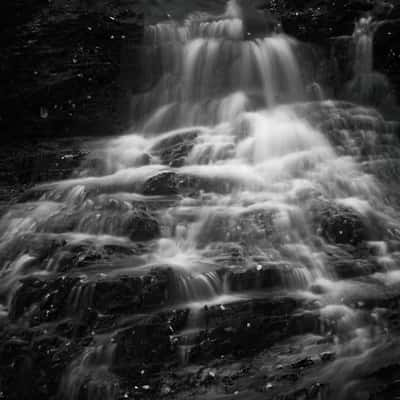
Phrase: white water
(210, 73)
(260, 167)
(368, 86)
(363, 37)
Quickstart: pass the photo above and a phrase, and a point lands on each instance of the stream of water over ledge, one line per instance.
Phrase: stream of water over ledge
(242, 241)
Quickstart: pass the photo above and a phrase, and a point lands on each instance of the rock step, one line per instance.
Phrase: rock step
(41, 300)
(99, 283)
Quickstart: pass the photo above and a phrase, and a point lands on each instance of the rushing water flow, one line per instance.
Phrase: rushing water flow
(230, 159)
(363, 37)
(210, 73)
(367, 86)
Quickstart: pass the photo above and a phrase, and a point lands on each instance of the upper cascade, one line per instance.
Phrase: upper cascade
(228, 25)
(363, 37)
(212, 60)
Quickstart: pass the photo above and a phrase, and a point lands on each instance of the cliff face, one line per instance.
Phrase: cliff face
(69, 67)
(322, 22)
(64, 66)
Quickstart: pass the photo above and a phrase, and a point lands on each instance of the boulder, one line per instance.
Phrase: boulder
(339, 224)
(43, 300)
(162, 184)
(174, 149)
(128, 295)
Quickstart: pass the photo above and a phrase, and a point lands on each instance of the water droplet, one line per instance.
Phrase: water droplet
(44, 113)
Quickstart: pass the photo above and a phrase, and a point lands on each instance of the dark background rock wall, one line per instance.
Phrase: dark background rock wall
(70, 67)
(67, 67)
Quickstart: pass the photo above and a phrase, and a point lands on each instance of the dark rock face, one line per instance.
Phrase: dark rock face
(257, 21)
(387, 50)
(162, 184)
(50, 300)
(125, 295)
(46, 300)
(63, 66)
(174, 149)
(338, 224)
(138, 224)
(38, 361)
(327, 24)
(317, 21)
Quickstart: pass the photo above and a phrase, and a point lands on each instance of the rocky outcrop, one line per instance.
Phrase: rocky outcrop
(64, 65)
(330, 25)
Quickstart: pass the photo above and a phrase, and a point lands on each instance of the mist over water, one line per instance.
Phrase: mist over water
(230, 152)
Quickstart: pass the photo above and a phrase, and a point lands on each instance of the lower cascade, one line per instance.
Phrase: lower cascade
(237, 216)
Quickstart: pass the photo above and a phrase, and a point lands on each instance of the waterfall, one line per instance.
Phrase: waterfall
(207, 65)
(367, 85)
(239, 145)
(363, 37)
(231, 185)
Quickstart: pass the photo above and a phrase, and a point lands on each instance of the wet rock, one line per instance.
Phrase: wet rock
(317, 21)
(142, 226)
(338, 224)
(266, 276)
(304, 363)
(327, 356)
(42, 300)
(258, 22)
(129, 294)
(251, 228)
(90, 302)
(244, 328)
(137, 224)
(174, 149)
(162, 184)
(227, 254)
(82, 255)
(386, 50)
(32, 369)
(370, 89)
(63, 67)
(170, 183)
(147, 342)
(353, 268)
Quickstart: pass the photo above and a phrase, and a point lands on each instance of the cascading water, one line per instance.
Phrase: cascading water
(363, 38)
(210, 73)
(367, 85)
(234, 184)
